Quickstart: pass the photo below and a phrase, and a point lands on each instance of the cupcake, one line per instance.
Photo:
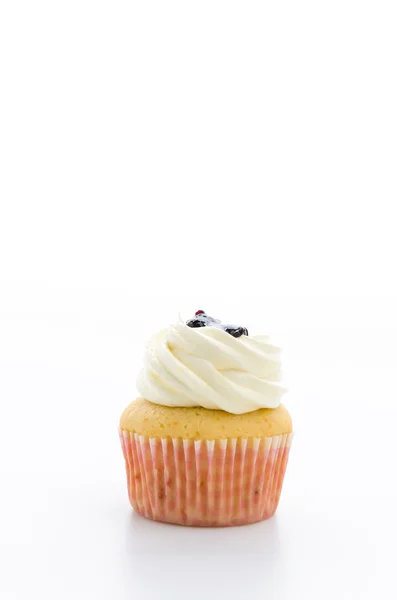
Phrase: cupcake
(207, 442)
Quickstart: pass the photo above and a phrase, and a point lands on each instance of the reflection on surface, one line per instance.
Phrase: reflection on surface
(175, 562)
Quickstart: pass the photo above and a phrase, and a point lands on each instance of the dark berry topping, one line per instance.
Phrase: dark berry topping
(202, 320)
(235, 331)
(196, 323)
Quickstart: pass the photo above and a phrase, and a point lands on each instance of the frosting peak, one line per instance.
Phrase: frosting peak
(207, 367)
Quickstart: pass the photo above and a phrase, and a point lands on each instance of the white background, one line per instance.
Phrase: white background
(157, 157)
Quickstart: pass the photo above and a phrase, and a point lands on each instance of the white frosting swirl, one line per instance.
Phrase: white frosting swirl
(208, 367)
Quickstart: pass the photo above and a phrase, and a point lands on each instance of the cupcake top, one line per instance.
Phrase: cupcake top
(206, 363)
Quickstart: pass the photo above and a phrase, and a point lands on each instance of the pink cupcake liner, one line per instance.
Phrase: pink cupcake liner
(205, 483)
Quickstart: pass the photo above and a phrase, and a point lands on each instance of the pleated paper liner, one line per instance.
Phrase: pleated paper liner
(205, 483)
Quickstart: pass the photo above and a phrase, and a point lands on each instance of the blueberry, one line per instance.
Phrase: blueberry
(236, 331)
(196, 323)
